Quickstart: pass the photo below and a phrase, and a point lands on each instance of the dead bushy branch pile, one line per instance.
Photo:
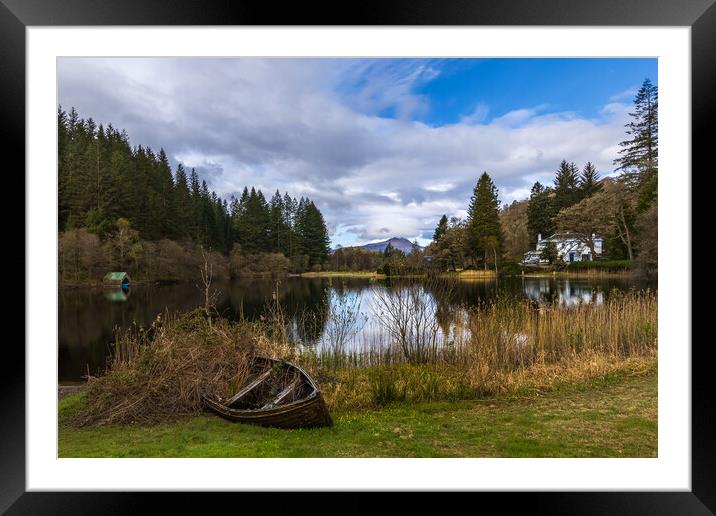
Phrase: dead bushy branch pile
(160, 373)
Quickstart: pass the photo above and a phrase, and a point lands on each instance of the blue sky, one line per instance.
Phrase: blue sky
(581, 86)
(383, 146)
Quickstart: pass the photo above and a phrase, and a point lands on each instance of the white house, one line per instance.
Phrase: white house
(569, 248)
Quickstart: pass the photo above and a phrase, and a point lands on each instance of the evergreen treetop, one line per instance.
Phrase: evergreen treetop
(484, 232)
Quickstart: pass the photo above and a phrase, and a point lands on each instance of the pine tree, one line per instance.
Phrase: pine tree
(167, 202)
(143, 219)
(253, 222)
(589, 181)
(182, 196)
(207, 219)
(123, 177)
(289, 207)
(484, 232)
(238, 220)
(440, 229)
(314, 235)
(263, 222)
(566, 186)
(63, 142)
(299, 244)
(540, 213)
(278, 231)
(639, 159)
(78, 181)
(196, 205)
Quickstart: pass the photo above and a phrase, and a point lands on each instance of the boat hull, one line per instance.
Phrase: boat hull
(308, 412)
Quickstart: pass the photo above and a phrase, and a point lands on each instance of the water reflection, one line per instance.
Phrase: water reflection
(88, 317)
(565, 292)
(115, 295)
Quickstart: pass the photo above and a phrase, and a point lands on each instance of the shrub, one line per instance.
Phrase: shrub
(510, 268)
(298, 263)
(161, 373)
(603, 265)
(257, 264)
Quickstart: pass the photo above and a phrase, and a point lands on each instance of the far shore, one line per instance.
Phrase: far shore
(341, 274)
(471, 274)
(586, 274)
(69, 285)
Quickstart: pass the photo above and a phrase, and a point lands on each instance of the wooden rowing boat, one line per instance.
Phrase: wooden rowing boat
(278, 393)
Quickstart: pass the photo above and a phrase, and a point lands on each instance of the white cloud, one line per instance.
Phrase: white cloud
(627, 94)
(615, 108)
(478, 115)
(312, 127)
(440, 187)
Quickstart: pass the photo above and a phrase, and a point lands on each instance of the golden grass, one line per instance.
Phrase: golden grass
(346, 274)
(470, 274)
(365, 388)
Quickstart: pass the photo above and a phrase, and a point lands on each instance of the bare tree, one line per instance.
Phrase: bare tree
(619, 201)
(79, 255)
(207, 274)
(583, 221)
(607, 210)
(344, 320)
(516, 237)
(124, 239)
(410, 315)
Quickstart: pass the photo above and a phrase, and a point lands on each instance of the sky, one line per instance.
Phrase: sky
(384, 147)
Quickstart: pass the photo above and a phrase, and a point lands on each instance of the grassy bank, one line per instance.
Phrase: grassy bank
(343, 274)
(472, 274)
(585, 274)
(614, 415)
(601, 268)
(461, 275)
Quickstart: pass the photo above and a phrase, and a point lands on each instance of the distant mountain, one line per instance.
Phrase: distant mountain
(403, 244)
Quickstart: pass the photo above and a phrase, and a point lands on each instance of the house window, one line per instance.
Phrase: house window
(571, 257)
(586, 257)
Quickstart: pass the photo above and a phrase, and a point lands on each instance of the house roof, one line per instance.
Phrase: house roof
(563, 236)
(116, 276)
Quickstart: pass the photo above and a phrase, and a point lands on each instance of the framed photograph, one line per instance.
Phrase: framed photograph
(416, 249)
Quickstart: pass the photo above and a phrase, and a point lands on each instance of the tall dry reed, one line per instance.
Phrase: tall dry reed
(502, 346)
(160, 373)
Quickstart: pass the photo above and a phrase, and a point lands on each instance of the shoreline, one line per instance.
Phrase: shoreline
(462, 275)
(584, 274)
(339, 274)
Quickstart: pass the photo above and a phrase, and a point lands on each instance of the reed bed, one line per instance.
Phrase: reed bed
(505, 334)
(417, 351)
(506, 337)
(497, 348)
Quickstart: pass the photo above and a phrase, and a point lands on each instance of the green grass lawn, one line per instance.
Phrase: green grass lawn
(610, 417)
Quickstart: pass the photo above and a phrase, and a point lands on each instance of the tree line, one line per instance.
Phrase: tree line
(106, 187)
(622, 209)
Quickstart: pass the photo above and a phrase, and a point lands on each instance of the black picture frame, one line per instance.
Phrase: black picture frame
(700, 15)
